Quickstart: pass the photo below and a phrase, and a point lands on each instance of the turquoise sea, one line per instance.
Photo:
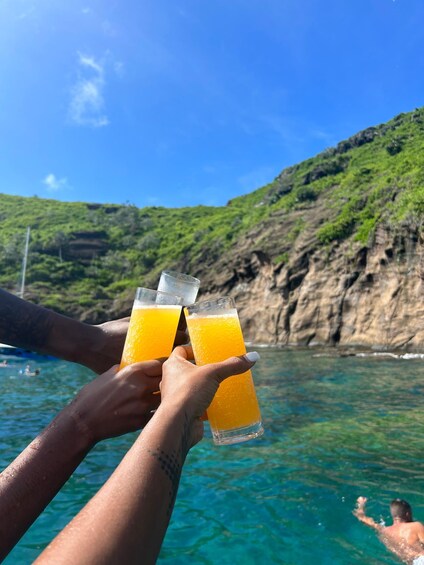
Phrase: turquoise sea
(336, 428)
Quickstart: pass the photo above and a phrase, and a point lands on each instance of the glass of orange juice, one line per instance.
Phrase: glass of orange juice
(153, 326)
(179, 284)
(215, 334)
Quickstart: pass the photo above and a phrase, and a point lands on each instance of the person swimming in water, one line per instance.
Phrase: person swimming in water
(28, 372)
(405, 537)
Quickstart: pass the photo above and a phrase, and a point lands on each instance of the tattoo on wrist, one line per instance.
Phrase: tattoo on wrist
(171, 463)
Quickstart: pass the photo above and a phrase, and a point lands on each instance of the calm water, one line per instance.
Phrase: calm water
(336, 428)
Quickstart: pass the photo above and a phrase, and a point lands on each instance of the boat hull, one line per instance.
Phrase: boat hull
(21, 353)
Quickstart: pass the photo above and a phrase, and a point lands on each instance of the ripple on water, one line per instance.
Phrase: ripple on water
(336, 428)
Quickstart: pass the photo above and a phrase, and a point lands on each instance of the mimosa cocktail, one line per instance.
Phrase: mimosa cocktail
(153, 326)
(215, 335)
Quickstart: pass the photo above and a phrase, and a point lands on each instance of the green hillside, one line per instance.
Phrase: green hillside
(85, 256)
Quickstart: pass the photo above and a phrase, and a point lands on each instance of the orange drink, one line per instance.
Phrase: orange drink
(153, 325)
(215, 335)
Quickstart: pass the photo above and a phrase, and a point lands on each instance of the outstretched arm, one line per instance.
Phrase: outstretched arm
(127, 519)
(110, 405)
(33, 327)
(359, 512)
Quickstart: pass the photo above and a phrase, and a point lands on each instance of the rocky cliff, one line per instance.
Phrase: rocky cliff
(349, 295)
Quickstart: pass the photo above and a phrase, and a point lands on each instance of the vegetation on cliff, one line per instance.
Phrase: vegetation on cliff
(86, 259)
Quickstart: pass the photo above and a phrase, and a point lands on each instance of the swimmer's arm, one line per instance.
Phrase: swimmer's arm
(359, 512)
(369, 521)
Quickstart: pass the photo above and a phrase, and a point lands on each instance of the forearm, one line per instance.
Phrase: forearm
(126, 521)
(30, 326)
(33, 479)
(362, 517)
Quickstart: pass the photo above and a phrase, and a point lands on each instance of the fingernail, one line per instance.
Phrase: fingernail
(252, 356)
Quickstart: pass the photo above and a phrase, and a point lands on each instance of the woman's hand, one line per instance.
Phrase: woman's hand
(193, 387)
(101, 346)
(118, 402)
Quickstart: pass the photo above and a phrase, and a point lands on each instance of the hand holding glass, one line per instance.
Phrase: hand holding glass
(215, 335)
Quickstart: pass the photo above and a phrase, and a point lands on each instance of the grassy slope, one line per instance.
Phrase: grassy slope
(375, 176)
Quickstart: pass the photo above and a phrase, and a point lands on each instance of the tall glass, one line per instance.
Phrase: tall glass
(215, 335)
(153, 326)
(179, 284)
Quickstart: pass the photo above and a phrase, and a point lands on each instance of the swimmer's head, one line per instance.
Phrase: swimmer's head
(401, 510)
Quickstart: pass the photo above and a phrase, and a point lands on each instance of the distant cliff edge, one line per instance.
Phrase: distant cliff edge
(362, 296)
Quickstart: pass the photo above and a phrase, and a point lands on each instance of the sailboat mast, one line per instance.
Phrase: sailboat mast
(24, 263)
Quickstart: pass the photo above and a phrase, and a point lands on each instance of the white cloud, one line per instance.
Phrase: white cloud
(87, 101)
(90, 62)
(53, 183)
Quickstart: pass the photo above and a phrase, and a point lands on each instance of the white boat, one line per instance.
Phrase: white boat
(7, 349)
(20, 352)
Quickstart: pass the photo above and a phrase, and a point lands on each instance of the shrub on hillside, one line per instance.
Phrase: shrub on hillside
(394, 146)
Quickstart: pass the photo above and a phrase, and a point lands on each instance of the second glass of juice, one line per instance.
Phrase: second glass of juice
(153, 326)
(179, 284)
(215, 335)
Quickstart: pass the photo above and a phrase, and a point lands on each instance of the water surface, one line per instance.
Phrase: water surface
(336, 428)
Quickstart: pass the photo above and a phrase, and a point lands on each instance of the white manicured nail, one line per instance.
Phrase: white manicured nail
(252, 356)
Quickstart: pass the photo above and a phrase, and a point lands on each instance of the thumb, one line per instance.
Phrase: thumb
(233, 366)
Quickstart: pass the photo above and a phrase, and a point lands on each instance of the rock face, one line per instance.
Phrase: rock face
(350, 295)
(86, 245)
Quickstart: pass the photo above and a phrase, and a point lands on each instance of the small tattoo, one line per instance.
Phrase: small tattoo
(171, 463)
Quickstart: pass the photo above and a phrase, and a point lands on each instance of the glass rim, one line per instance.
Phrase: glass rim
(153, 294)
(181, 276)
(222, 303)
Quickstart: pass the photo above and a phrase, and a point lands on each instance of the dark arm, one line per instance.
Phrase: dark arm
(110, 405)
(33, 327)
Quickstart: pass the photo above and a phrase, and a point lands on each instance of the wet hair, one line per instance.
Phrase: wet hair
(401, 509)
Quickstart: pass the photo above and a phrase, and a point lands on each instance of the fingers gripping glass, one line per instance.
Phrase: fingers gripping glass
(215, 334)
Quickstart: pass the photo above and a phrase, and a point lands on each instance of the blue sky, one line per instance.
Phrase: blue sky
(185, 102)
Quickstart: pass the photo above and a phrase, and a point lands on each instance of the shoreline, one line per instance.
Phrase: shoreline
(344, 351)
